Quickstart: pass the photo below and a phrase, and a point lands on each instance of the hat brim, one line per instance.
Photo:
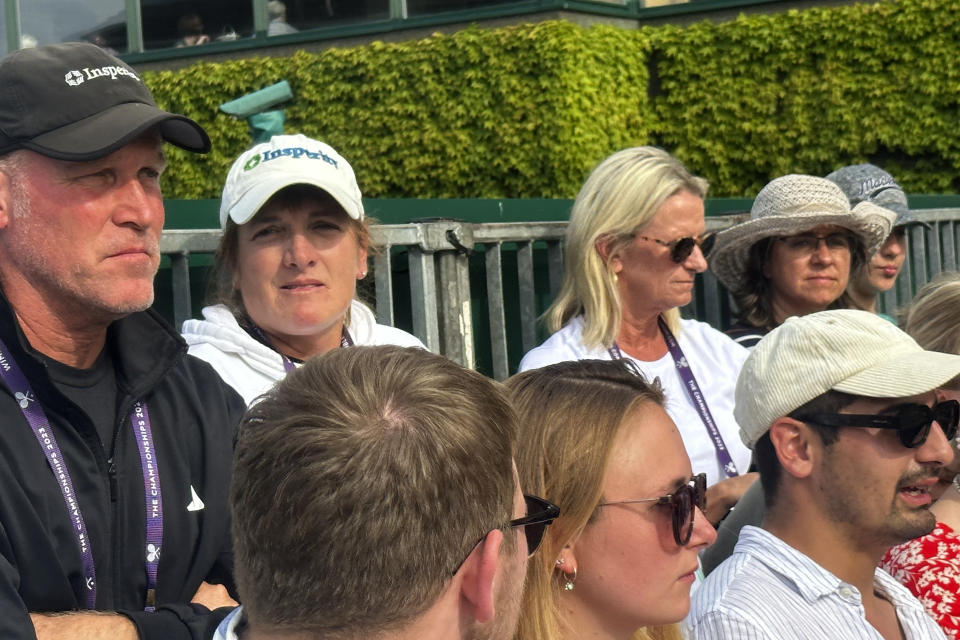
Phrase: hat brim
(903, 375)
(728, 258)
(103, 133)
(253, 200)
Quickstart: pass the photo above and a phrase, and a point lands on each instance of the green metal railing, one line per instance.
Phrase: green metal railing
(474, 291)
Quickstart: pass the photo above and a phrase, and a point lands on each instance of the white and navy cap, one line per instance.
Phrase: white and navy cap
(270, 166)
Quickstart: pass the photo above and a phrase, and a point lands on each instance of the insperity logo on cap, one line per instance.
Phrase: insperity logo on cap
(75, 78)
(288, 152)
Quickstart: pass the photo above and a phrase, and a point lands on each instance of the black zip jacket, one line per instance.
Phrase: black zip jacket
(193, 417)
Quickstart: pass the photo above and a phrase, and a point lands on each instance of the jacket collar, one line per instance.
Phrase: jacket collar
(143, 346)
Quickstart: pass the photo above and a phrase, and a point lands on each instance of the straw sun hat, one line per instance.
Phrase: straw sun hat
(790, 205)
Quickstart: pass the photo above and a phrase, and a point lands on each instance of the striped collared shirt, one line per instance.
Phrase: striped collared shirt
(769, 590)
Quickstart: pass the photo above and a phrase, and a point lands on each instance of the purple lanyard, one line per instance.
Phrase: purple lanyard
(288, 366)
(696, 396)
(153, 504)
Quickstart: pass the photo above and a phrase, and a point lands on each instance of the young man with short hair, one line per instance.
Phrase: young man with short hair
(848, 431)
(375, 496)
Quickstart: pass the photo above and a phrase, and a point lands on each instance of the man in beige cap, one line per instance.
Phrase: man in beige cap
(841, 410)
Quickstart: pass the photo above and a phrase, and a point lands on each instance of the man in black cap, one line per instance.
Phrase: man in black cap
(116, 446)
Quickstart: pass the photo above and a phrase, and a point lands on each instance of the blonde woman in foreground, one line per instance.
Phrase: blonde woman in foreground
(620, 560)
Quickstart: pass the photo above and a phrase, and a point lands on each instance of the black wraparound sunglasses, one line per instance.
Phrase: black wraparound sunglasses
(912, 421)
(540, 513)
(684, 501)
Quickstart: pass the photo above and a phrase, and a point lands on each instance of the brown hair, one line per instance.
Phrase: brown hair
(361, 482)
(751, 301)
(569, 415)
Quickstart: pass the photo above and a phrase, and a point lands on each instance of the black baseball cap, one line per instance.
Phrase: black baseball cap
(75, 101)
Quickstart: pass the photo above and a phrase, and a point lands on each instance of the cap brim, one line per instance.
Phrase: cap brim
(904, 375)
(253, 200)
(103, 133)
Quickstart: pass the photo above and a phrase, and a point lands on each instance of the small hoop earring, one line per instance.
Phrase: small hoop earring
(569, 580)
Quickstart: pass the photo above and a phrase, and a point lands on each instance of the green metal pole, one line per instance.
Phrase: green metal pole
(260, 21)
(398, 10)
(134, 26)
(11, 18)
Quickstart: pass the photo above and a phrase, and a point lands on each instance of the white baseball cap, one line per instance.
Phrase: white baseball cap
(855, 352)
(268, 167)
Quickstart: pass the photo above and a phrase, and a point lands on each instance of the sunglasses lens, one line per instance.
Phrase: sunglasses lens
(706, 245)
(683, 515)
(683, 249)
(947, 415)
(534, 534)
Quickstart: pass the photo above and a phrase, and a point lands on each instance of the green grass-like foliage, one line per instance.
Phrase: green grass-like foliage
(526, 111)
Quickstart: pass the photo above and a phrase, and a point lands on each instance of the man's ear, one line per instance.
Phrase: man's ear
(796, 446)
(6, 200)
(479, 572)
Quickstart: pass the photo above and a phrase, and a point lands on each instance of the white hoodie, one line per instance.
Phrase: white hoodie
(251, 367)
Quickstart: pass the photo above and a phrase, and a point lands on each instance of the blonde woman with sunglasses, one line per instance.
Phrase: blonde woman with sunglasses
(634, 245)
(619, 561)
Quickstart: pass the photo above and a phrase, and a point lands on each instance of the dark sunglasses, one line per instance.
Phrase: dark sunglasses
(682, 501)
(912, 421)
(681, 248)
(540, 513)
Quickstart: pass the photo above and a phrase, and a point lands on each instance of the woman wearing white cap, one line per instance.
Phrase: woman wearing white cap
(295, 242)
(633, 248)
(796, 253)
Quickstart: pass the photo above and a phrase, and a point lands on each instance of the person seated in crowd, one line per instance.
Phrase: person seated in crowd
(632, 252)
(796, 253)
(190, 29)
(116, 446)
(375, 496)
(869, 183)
(849, 434)
(595, 437)
(295, 242)
(930, 565)
(278, 25)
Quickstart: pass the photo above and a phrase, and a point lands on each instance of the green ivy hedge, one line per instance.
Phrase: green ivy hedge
(522, 111)
(810, 91)
(526, 111)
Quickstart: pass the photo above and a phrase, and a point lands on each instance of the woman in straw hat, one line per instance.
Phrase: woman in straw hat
(620, 560)
(633, 247)
(869, 183)
(796, 253)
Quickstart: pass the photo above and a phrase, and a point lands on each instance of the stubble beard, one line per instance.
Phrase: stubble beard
(35, 262)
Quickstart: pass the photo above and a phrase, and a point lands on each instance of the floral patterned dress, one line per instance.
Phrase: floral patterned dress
(929, 567)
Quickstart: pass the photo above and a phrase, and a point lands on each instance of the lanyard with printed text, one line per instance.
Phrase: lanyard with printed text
(288, 365)
(153, 502)
(695, 395)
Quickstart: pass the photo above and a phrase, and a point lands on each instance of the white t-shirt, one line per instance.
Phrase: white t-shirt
(251, 367)
(715, 361)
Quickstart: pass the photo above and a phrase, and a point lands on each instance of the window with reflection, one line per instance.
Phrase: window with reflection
(102, 22)
(290, 16)
(179, 23)
(422, 7)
